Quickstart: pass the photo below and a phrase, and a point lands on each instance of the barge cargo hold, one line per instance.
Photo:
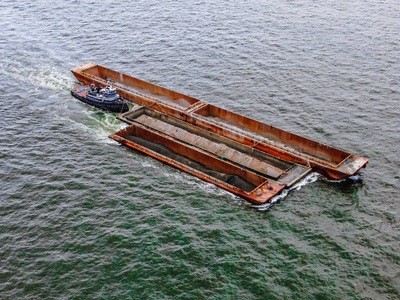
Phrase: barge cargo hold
(284, 172)
(249, 185)
(252, 174)
(330, 162)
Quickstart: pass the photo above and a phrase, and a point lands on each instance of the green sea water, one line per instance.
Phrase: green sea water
(82, 217)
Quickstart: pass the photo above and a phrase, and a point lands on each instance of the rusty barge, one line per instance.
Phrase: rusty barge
(251, 159)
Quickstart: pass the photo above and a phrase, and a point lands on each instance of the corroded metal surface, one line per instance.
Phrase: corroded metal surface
(244, 183)
(284, 172)
(331, 162)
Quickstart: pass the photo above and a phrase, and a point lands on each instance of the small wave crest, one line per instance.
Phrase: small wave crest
(310, 178)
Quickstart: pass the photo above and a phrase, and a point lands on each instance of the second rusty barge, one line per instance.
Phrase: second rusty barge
(249, 158)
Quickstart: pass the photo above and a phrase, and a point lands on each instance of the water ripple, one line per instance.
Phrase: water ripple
(83, 217)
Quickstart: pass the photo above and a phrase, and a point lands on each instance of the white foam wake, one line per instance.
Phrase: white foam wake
(310, 178)
(40, 76)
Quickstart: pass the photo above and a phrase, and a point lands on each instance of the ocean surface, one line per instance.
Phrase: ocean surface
(82, 217)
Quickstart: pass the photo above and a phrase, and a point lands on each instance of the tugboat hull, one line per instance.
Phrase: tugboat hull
(116, 105)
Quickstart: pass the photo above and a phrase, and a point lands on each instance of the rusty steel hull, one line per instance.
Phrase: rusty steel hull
(329, 161)
(257, 189)
(284, 172)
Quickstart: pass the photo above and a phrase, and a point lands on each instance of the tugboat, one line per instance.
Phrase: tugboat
(104, 98)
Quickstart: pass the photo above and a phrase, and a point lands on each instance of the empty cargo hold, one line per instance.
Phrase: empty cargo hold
(240, 181)
(243, 156)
